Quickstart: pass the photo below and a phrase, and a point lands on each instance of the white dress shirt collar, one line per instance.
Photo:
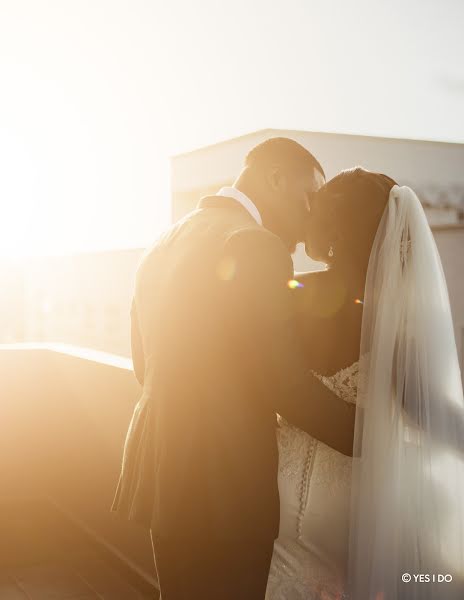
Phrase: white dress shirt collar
(231, 192)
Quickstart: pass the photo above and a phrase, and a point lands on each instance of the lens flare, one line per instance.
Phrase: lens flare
(226, 268)
(293, 284)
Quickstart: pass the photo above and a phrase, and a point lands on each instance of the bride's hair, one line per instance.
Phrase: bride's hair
(354, 201)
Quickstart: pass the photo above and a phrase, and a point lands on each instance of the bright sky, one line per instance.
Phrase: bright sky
(96, 94)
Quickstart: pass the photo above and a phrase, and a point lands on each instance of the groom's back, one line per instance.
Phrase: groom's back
(181, 285)
(214, 434)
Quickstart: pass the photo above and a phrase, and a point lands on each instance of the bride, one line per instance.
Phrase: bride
(388, 522)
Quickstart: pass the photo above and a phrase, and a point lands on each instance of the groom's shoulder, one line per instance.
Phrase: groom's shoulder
(255, 235)
(258, 242)
(159, 244)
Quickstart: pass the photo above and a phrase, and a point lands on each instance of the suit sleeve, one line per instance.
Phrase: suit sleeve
(136, 345)
(263, 299)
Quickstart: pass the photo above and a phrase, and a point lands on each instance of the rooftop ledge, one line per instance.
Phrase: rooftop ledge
(114, 360)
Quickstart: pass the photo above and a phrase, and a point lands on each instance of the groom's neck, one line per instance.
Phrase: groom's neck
(271, 220)
(244, 184)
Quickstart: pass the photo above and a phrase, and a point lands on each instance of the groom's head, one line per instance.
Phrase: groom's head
(280, 176)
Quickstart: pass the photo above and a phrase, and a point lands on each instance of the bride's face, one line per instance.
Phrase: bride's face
(320, 230)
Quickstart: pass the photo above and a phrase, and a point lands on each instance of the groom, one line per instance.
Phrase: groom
(214, 348)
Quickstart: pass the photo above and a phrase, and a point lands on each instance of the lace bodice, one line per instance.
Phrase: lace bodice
(344, 383)
(314, 486)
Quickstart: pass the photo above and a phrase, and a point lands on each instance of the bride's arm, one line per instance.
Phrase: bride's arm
(262, 296)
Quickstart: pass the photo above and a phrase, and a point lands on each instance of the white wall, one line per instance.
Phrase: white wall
(425, 165)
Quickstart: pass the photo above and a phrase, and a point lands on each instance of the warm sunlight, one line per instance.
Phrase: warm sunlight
(94, 100)
(191, 194)
(65, 188)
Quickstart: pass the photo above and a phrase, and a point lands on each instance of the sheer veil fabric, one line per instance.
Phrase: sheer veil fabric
(407, 493)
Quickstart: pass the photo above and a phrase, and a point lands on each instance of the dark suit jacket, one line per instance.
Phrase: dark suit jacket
(214, 347)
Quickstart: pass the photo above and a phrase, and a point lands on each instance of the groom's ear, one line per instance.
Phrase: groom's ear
(276, 178)
(318, 179)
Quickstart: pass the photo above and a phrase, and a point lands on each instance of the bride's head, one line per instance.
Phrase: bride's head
(345, 215)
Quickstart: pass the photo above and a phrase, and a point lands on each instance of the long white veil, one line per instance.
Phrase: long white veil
(407, 499)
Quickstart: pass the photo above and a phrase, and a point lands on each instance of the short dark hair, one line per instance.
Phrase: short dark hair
(284, 152)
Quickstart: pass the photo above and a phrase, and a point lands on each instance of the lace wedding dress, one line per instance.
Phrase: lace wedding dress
(310, 555)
